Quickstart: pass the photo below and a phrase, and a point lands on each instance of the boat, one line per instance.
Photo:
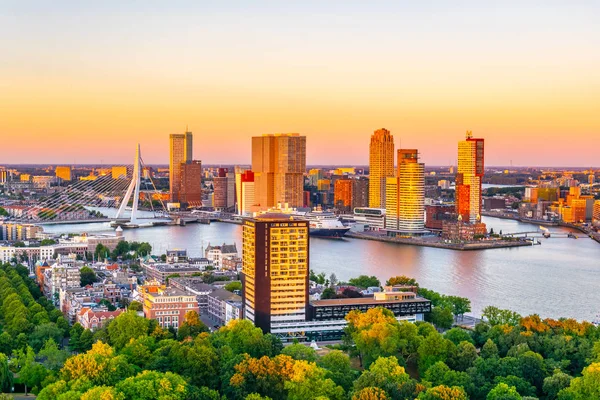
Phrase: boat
(571, 235)
(323, 224)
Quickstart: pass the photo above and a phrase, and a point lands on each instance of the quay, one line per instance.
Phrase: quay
(435, 242)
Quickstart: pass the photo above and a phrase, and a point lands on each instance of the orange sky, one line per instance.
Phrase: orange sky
(82, 85)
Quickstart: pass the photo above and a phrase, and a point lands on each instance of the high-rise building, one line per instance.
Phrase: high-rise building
(342, 194)
(596, 212)
(360, 193)
(381, 166)
(119, 172)
(63, 173)
(246, 198)
(392, 196)
(190, 192)
(411, 201)
(180, 152)
(279, 163)
(220, 189)
(468, 178)
(275, 255)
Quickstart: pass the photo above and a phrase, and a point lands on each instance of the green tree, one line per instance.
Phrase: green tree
(191, 326)
(401, 280)
(460, 305)
(338, 367)
(441, 317)
(489, 349)
(6, 376)
(385, 373)
(364, 281)
(232, 286)
(86, 340)
(465, 356)
(3, 212)
(101, 251)
(126, 326)
(555, 383)
(434, 348)
(496, 316)
(75, 334)
(503, 392)
(443, 393)
(88, 276)
(300, 352)
(585, 387)
(53, 357)
(154, 385)
(135, 306)
(457, 335)
(44, 332)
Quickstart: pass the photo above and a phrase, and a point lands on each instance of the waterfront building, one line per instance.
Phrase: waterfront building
(459, 231)
(119, 172)
(216, 254)
(19, 232)
(190, 192)
(180, 152)
(468, 178)
(224, 189)
(360, 193)
(63, 173)
(275, 258)
(596, 213)
(381, 166)
(343, 194)
(437, 214)
(278, 163)
(167, 305)
(246, 197)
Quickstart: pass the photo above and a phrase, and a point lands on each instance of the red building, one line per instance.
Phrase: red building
(190, 192)
(436, 214)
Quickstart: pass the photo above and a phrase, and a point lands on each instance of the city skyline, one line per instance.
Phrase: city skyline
(82, 75)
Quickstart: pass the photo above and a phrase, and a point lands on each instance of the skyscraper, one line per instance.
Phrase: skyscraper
(63, 173)
(190, 192)
(381, 166)
(224, 189)
(411, 181)
(469, 174)
(180, 146)
(246, 193)
(275, 270)
(279, 163)
(342, 195)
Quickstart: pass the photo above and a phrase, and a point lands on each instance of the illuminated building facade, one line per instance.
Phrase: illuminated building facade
(119, 172)
(63, 173)
(180, 152)
(190, 192)
(278, 163)
(246, 199)
(381, 166)
(275, 270)
(468, 178)
(342, 194)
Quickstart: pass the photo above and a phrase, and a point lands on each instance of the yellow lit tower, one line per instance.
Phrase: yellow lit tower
(180, 152)
(381, 166)
(274, 270)
(469, 174)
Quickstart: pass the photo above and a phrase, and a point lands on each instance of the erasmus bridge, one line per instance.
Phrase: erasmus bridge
(102, 198)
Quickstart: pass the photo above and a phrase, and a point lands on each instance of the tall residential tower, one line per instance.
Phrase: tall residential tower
(278, 163)
(180, 147)
(468, 178)
(381, 166)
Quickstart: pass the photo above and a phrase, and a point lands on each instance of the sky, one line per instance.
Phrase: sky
(83, 82)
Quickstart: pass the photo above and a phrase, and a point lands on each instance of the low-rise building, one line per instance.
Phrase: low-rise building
(94, 319)
(167, 305)
(219, 302)
(160, 271)
(458, 231)
(195, 286)
(216, 254)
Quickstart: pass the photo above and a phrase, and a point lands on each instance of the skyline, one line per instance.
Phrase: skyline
(82, 78)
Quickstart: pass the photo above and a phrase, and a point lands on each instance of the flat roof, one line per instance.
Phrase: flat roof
(362, 300)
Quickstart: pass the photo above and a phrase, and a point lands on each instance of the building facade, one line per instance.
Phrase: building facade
(468, 178)
(167, 305)
(278, 163)
(275, 270)
(381, 166)
(180, 152)
(63, 173)
(190, 192)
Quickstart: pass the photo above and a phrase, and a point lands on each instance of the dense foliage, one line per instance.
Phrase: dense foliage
(507, 357)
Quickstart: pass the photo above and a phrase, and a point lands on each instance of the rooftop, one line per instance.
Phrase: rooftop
(362, 300)
(225, 295)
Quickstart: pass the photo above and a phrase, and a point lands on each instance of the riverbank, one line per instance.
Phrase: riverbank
(587, 231)
(435, 242)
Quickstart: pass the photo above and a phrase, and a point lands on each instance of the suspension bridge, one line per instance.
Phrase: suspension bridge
(101, 198)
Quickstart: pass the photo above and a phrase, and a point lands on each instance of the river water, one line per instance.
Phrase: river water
(560, 278)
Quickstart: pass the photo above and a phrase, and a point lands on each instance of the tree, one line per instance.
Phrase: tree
(386, 374)
(460, 305)
(75, 334)
(44, 332)
(153, 385)
(489, 349)
(465, 356)
(233, 286)
(370, 393)
(88, 276)
(107, 304)
(53, 357)
(555, 383)
(457, 335)
(337, 365)
(3, 212)
(103, 393)
(585, 387)
(503, 392)
(364, 281)
(496, 316)
(135, 306)
(441, 317)
(101, 251)
(443, 393)
(86, 340)
(126, 326)
(6, 376)
(191, 326)
(300, 352)
(401, 280)
(434, 348)
(328, 293)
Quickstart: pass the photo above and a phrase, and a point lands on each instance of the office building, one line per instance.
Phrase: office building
(190, 193)
(245, 190)
(275, 270)
(596, 212)
(63, 173)
(224, 189)
(180, 152)
(119, 172)
(437, 214)
(381, 166)
(360, 193)
(405, 195)
(468, 178)
(342, 194)
(167, 305)
(278, 163)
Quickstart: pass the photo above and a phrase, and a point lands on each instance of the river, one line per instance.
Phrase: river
(560, 278)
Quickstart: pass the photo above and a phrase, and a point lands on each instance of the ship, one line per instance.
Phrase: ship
(323, 224)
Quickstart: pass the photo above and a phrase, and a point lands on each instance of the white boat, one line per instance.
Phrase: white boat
(324, 223)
